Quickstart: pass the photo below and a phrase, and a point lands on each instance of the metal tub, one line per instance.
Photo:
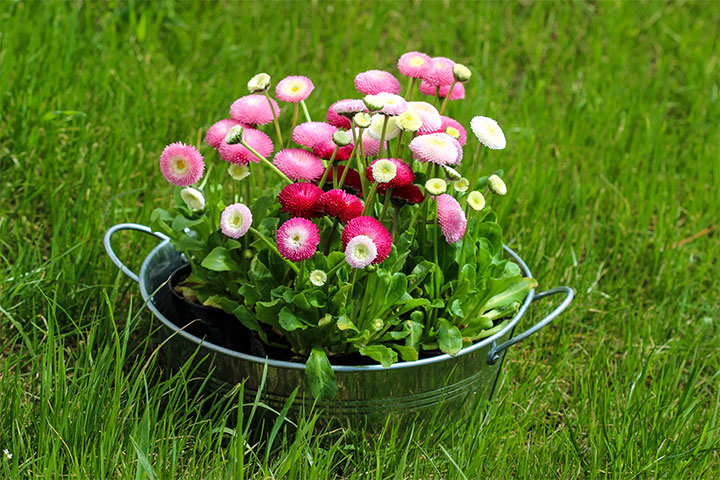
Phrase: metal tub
(366, 393)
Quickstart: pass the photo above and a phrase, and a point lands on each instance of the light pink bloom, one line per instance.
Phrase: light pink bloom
(440, 72)
(294, 89)
(451, 218)
(235, 220)
(253, 110)
(429, 115)
(372, 228)
(349, 107)
(373, 82)
(392, 104)
(414, 64)
(438, 148)
(216, 134)
(309, 134)
(181, 164)
(297, 239)
(240, 155)
(371, 146)
(299, 164)
(458, 91)
(360, 251)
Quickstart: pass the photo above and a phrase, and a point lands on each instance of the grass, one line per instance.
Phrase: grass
(611, 110)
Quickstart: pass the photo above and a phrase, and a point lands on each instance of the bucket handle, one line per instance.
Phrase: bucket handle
(494, 354)
(126, 226)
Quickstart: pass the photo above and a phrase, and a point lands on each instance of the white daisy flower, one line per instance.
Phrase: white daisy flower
(259, 83)
(384, 171)
(318, 278)
(193, 198)
(238, 172)
(497, 186)
(488, 132)
(436, 186)
(360, 251)
(376, 127)
(476, 200)
(462, 185)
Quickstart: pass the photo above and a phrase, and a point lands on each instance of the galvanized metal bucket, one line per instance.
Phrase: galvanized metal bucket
(367, 393)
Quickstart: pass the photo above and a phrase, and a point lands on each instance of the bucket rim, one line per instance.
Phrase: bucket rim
(147, 298)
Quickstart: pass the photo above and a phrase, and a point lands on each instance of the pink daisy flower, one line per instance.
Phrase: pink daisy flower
(299, 164)
(429, 115)
(414, 64)
(360, 251)
(339, 203)
(349, 107)
(438, 148)
(240, 155)
(253, 110)
(458, 91)
(294, 89)
(372, 228)
(335, 119)
(300, 199)
(403, 175)
(235, 220)
(392, 104)
(451, 218)
(440, 72)
(216, 134)
(309, 134)
(409, 194)
(297, 239)
(325, 150)
(377, 81)
(451, 122)
(181, 164)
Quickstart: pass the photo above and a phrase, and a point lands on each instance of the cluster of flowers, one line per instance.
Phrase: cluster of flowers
(338, 163)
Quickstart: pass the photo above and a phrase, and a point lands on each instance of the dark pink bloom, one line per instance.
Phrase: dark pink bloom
(403, 176)
(339, 203)
(326, 148)
(297, 239)
(408, 194)
(300, 199)
(372, 228)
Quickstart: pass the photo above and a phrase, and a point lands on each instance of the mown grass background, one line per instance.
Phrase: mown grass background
(612, 114)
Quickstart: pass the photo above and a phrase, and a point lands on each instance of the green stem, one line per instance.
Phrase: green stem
(393, 229)
(388, 195)
(382, 136)
(361, 165)
(335, 269)
(397, 145)
(275, 120)
(437, 95)
(273, 247)
(475, 166)
(411, 89)
(268, 162)
(369, 198)
(330, 236)
(353, 276)
(305, 111)
(328, 168)
(447, 97)
(295, 117)
(347, 167)
(300, 275)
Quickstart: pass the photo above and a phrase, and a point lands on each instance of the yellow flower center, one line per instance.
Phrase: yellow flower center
(179, 165)
(416, 61)
(237, 220)
(361, 251)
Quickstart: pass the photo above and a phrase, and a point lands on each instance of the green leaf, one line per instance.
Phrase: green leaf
(320, 375)
(408, 354)
(301, 302)
(511, 290)
(289, 321)
(380, 353)
(344, 323)
(396, 290)
(415, 331)
(180, 222)
(268, 312)
(219, 261)
(188, 244)
(247, 319)
(456, 308)
(449, 337)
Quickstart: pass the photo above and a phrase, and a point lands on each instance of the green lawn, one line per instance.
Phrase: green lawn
(612, 114)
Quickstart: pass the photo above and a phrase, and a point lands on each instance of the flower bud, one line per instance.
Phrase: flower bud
(453, 132)
(193, 198)
(378, 324)
(461, 72)
(374, 102)
(259, 83)
(238, 172)
(462, 185)
(318, 278)
(342, 138)
(497, 186)
(234, 135)
(409, 121)
(362, 119)
(451, 173)
(476, 200)
(436, 186)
